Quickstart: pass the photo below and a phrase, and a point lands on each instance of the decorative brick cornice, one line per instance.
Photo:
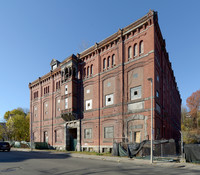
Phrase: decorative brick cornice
(121, 32)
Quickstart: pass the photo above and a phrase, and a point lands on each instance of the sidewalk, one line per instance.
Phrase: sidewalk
(163, 163)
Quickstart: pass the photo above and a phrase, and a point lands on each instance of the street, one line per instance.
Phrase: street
(40, 163)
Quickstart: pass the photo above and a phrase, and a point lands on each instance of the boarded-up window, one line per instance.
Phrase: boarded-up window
(141, 47)
(104, 63)
(113, 59)
(35, 111)
(66, 89)
(109, 99)
(129, 52)
(66, 103)
(135, 50)
(108, 62)
(108, 132)
(136, 93)
(91, 69)
(135, 106)
(88, 133)
(136, 127)
(54, 67)
(46, 137)
(88, 71)
(57, 106)
(88, 104)
(58, 135)
(46, 109)
(135, 75)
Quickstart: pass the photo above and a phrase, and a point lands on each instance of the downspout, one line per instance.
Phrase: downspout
(123, 60)
(52, 81)
(99, 122)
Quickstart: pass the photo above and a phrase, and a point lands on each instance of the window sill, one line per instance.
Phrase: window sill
(108, 140)
(88, 109)
(88, 141)
(109, 105)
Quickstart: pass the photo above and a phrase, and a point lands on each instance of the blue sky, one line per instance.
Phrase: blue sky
(34, 32)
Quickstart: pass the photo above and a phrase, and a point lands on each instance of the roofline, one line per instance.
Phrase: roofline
(102, 43)
(114, 36)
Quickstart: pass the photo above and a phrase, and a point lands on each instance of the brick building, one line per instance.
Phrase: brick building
(102, 95)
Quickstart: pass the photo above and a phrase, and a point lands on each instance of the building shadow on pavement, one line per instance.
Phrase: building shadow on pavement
(18, 156)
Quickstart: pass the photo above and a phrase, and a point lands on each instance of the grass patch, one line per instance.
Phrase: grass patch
(90, 153)
(77, 152)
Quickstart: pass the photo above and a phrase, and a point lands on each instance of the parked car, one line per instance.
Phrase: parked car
(5, 146)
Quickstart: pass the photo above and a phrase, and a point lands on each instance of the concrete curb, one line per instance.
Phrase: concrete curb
(182, 165)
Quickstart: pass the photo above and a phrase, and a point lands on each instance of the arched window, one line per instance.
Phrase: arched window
(66, 72)
(135, 50)
(129, 52)
(104, 63)
(74, 72)
(141, 47)
(108, 62)
(70, 71)
(84, 72)
(88, 71)
(91, 69)
(113, 59)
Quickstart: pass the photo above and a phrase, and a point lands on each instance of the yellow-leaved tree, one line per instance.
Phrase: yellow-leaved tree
(17, 125)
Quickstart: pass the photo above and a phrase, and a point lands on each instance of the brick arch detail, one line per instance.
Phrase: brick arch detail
(136, 117)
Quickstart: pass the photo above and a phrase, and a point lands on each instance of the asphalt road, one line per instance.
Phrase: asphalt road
(40, 163)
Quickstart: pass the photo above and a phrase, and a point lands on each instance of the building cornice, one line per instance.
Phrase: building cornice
(119, 33)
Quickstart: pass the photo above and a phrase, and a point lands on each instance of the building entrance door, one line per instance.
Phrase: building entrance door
(46, 137)
(73, 139)
(137, 136)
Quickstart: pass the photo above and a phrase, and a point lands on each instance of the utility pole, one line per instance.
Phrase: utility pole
(151, 80)
(31, 134)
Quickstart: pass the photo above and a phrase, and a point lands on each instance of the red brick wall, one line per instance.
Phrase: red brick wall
(117, 79)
